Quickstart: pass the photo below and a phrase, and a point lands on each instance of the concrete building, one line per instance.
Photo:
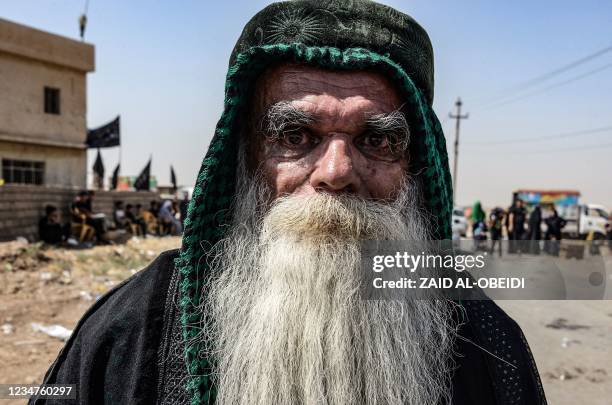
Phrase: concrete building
(43, 83)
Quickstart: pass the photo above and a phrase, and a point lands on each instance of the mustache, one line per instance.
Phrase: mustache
(321, 214)
(344, 215)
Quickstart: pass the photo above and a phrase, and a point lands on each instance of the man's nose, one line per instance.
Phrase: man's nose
(334, 171)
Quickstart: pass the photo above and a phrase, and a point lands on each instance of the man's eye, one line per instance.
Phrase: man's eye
(297, 138)
(379, 146)
(376, 141)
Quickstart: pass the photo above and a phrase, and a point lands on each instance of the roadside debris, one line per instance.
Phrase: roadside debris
(566, 342)
(86, 296)
(56, 331)
(562, 323)
(7, 328)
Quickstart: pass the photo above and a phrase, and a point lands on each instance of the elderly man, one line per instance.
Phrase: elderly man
(327, 139)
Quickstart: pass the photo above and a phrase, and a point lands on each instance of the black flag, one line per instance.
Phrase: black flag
(142, 181)
(98, 169)
(115, 178)
(106, 136)
(173, 178)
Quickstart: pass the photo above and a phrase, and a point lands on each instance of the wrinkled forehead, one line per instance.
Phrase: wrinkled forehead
(309, 87)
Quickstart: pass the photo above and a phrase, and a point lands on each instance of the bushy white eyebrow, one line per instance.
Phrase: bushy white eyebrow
(281, 116)
(393, 125)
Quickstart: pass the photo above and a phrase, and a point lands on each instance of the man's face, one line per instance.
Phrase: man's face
(285, 292)
(328, 131)
(54, 217)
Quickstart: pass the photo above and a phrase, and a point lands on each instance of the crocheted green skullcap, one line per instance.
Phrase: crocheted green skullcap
(345, 24)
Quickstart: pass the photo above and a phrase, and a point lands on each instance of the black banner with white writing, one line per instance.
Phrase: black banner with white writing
(105, 136)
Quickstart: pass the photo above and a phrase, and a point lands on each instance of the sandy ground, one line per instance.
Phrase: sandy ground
(571, 340)
(55, 287)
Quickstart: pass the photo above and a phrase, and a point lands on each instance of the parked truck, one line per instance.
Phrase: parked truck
(584, 221)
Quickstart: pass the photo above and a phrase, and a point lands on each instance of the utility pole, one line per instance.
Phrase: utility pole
(458, 117)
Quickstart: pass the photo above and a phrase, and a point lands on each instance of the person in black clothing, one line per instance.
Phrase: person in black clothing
(50, 229)
(262, 305)
(154, 208)
(496, 218)
(535, 231)
(554, 226)
(78, 206)
(516, 225)
(132, 215)
(184, 204)
(89, 200)
(609, 228)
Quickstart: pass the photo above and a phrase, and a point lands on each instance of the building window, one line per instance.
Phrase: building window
(23, 171)
(52, 100)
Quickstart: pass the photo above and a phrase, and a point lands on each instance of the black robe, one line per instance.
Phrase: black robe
(124, 349)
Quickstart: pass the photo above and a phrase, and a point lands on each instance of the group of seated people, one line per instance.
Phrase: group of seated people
(87, 226)
(129, 217)
(157, 220)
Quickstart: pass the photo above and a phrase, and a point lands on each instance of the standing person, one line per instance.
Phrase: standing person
(609, 233)
(535, 230)
(479, 227)
(516, 226)
(478, 214)
(496, 225)
(262, 305)
(554, 226)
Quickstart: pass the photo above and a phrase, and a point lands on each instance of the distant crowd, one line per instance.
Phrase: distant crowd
(88, 227)
(523, 229)
(518, 227)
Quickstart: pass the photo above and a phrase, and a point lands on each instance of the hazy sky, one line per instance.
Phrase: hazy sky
(162, 64)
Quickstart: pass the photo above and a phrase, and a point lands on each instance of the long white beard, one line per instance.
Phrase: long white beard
(287, 325)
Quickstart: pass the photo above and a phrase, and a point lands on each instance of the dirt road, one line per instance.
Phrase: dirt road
(572, 345)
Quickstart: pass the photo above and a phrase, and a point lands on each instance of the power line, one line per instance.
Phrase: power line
(569, 149)
(542, 138)
(543, 77)
(571, 65)
(548, 88)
